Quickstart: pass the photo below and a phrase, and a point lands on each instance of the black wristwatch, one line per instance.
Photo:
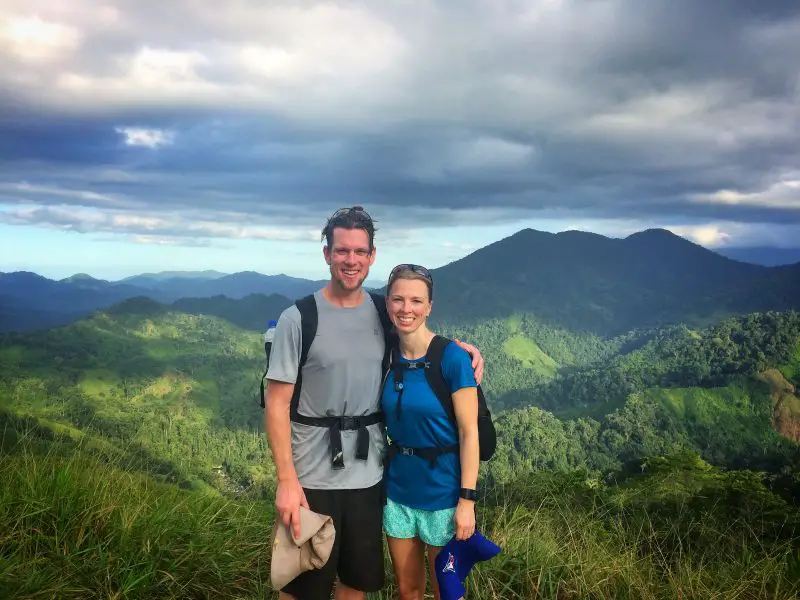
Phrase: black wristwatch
(468, 494)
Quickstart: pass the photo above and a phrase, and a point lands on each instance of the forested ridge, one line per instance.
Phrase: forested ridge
(182, 389)
(609, 448)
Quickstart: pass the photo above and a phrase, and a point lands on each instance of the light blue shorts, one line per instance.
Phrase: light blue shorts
(434, 527)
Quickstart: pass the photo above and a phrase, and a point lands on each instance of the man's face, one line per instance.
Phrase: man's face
(349, 258)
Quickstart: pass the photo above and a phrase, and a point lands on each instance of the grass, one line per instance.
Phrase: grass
(706, 406)
(75, 526)
(530, 355)
(79, 527)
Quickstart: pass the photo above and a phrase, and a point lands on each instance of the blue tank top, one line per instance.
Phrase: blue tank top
(411, 480)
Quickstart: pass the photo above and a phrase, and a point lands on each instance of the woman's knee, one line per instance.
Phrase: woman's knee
(411, 590)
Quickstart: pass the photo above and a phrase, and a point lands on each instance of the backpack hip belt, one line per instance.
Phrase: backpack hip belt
(343, 423)
(430, 453)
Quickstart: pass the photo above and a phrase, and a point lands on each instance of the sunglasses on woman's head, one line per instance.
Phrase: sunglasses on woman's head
(419, 270)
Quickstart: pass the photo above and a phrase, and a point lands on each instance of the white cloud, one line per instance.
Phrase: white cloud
(454, 246)
(149, 138)
(710, 236)
(151, 226)
(782, 194)
(30, 193)
(34, 40)
(152, 240)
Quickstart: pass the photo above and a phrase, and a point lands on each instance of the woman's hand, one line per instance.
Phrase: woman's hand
(464, 519)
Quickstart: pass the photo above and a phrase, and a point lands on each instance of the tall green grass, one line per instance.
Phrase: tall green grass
(80, 526)
(76, 526)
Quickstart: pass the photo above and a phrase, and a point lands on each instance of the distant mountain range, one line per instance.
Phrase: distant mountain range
(578, 280)
(29, 301)
(763, 255)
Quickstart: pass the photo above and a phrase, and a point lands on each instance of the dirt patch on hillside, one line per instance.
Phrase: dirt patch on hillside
(785, 404)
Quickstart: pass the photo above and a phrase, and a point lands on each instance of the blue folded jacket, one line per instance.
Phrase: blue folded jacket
(455, 561)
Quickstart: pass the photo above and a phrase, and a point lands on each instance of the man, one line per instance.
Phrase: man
(334, 470)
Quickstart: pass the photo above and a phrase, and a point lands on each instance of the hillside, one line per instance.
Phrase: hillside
(252, 312)
(177, 388)
(675, 528)
(182, 388)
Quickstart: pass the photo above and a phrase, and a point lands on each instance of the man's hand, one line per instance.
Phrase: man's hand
(477, 359)
(288, 499)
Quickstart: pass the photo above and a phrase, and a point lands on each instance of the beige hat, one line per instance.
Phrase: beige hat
(311, 550)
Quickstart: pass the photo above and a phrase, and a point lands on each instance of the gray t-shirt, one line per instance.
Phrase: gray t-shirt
(342, 373)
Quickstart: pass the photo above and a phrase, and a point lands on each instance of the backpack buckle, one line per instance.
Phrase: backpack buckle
(347, 423)
(407, 451)
(418, 365)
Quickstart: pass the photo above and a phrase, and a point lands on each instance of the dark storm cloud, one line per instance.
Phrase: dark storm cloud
(613, 110)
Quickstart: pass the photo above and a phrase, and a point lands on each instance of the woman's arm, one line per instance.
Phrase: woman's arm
(465, 405)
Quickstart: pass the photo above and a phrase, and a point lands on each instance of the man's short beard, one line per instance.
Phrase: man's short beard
(340, 283)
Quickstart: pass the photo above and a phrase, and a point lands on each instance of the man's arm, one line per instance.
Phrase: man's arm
(289, 495)
(477, 359)
(282, 373)
(279, 429)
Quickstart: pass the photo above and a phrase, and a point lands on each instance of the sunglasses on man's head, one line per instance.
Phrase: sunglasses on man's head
(348, 210)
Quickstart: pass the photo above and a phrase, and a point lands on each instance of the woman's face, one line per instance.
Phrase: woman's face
(408, 304)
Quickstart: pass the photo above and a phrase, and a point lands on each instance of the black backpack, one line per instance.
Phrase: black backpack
(487, 436)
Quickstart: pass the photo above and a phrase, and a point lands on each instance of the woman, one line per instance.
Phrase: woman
(432, 464)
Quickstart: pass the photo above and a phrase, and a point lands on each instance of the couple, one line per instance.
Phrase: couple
(335, 466)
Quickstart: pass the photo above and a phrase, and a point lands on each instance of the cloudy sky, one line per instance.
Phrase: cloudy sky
(142, 135)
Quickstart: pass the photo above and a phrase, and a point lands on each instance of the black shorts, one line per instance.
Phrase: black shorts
(357, 553)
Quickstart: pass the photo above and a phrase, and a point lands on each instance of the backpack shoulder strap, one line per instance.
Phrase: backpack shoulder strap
(308, 330)
(379, 300)
(308, 325)
(436, 377)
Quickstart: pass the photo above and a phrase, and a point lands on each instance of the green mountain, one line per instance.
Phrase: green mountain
(252, 312)
(584, 281)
